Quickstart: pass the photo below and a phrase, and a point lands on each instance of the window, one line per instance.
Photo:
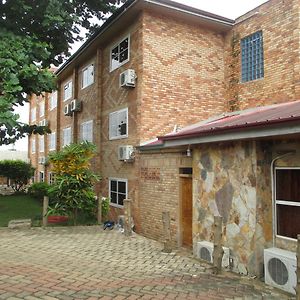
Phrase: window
(117, 191)
(42, 109)
(86, 131)
(252, 57)
(118, 125)
(68, 90)
(87, 76)
(52, 141)
(51, 177)
(67, 138)
(287, 202)
(119, 54)
(33, 114)
(41, 143)
(41, 176)
(53, 100)
(33, 146)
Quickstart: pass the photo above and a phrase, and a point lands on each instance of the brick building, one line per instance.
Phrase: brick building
(189, 65)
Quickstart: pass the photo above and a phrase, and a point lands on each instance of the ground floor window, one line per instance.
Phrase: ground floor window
(117, 191)
(41, 176)
(287, 202)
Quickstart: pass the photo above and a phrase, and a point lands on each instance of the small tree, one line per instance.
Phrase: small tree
(17, 171)
(73, 186)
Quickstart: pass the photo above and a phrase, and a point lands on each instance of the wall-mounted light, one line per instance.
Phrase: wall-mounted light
(188, 152)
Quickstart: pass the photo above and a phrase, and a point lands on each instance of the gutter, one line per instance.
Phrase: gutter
(201, 14)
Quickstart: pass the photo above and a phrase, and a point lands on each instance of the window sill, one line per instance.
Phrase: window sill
(252, 81)
(285, 238)
(118, 137)
(116, 205)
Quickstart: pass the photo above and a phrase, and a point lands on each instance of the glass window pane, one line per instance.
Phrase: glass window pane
(288, 221)
(121, 198)
(288, 184)
(123, 56)
(113, 185)
(113, 197)
(124, 45)
(122, 187)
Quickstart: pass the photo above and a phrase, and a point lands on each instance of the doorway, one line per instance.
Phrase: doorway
(186, 208)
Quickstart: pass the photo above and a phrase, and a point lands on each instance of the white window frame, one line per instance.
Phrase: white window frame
(63, 132)
(68, 90)
(52, 141)
(41, 143)
(282, 202)
(118, 180)
(53, 100)
(51, 178)
(112, 68)
(33, 114)
(87, 76)
(41, 174)
(33, 145)
(110, 118)
(82, 125)
(42, 108)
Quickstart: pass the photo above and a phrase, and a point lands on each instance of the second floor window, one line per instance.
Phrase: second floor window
(41, 143)
(67, 137)
(119, 54)
(118, 125)
(68, 90)
(86, 131)
(42, 109)
(87, 76)
(52, 141)
(33, 114)
(252, 57)
(53, 100)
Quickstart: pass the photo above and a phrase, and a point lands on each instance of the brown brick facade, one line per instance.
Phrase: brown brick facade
(186, 73)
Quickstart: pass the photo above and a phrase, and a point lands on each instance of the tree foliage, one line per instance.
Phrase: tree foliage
(34, 35)
(73, 186)
(18, 171)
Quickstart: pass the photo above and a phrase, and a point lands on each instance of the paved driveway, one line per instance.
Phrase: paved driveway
(89, 263)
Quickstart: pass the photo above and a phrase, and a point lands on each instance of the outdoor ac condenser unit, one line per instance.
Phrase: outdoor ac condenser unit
(75, 105)
(280, 269)
(67, 110)
(127, 78)
(125, 153)
(205, 251)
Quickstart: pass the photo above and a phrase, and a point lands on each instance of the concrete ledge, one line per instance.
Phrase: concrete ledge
(20, 224)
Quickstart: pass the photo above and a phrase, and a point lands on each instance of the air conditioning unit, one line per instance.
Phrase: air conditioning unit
(67, 110)
(43, 123)
(205, 251)
(75, 105)
(280, 269)
(127, 78)
(125, 153)
(42, 160)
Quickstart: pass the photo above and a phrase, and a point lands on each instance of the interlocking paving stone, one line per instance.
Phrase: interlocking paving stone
(89, 263)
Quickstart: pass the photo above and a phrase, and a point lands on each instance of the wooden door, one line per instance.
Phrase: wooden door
(186, 211)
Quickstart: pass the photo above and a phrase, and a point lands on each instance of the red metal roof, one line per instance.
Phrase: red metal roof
(260, 116)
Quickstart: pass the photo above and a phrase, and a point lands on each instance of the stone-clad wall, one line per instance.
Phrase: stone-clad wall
(224, 183)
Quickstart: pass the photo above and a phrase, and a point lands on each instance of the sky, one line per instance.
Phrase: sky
(226, 8)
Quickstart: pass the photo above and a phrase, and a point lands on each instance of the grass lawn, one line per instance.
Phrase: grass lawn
(19, 207)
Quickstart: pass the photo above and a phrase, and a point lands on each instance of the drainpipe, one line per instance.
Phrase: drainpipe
(273, 191)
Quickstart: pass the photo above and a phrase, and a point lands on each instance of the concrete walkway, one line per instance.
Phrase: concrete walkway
(89, 263)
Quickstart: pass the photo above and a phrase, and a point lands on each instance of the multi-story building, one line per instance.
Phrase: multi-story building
(156, 66)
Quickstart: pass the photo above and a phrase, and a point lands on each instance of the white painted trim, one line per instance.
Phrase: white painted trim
(114, 46)
(68, 82)
(109, 191)
(85, 69)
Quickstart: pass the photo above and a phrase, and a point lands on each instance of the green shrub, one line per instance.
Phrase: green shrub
(38, 190)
